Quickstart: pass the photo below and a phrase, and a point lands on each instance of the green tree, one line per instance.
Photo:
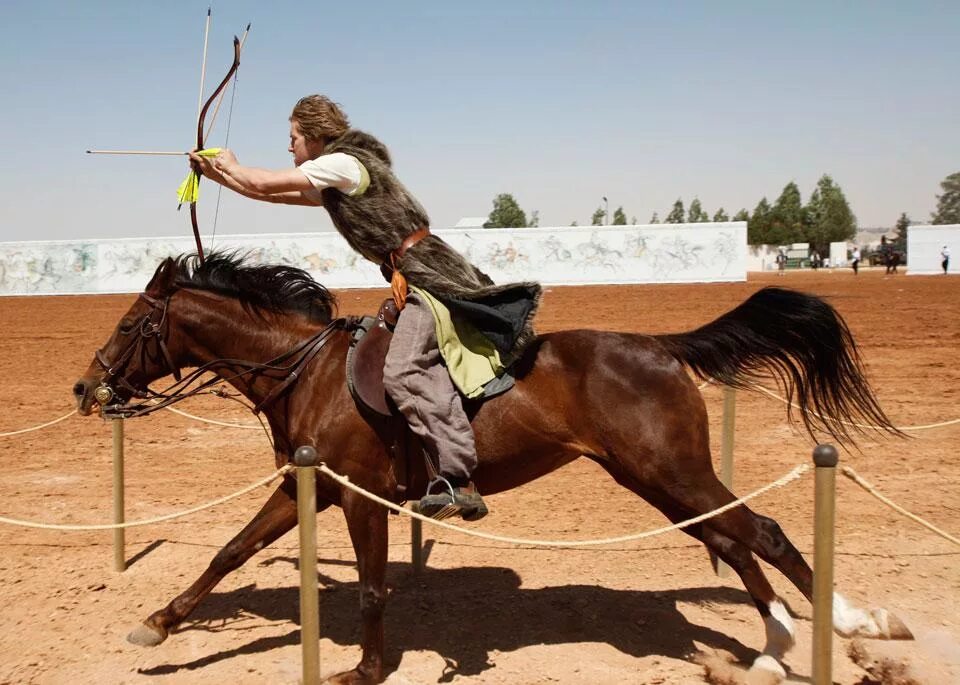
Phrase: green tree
(696, 213)
(788, 217)
(573, 224)
(829, 218)
(676, 214)
(900, 239)
(655, 219)
(534, 219)
(506, 213)
(742, 215)
(721, 215)
(633, 221)
(619, 218)
(598, 217)
(758, 226)
(948, 204)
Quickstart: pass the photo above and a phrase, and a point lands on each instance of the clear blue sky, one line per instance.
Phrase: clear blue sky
(557, 103)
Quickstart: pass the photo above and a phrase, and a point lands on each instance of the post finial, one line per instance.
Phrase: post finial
(825, 456)
(305, 455)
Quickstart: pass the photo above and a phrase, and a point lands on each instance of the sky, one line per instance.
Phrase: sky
(557, 103)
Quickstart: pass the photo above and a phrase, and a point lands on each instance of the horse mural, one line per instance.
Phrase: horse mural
(622, 400)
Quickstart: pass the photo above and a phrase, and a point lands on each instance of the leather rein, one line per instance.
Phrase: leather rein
(151, 326)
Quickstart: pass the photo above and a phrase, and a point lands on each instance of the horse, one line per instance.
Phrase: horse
(626, 401)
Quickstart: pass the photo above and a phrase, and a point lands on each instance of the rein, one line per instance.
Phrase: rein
(300, 356)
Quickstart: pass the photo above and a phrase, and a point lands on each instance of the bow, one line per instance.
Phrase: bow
(200, 119)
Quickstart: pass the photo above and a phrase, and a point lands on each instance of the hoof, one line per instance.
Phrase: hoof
(354, 677)
(768, 664)
(894, 628)
(146, 636)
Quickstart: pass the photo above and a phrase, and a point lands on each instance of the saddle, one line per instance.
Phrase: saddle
(366, 357)
(365, 360)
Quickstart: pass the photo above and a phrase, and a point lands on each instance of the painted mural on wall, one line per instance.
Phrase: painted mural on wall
(553, 256)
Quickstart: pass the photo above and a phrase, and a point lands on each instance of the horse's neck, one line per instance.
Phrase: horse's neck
(216, 328)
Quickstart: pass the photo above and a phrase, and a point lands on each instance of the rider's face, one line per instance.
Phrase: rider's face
(302, 149)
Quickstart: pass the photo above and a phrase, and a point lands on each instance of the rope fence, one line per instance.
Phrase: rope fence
(36, 428)
(158, 519)
(866, 485)
(791, 476)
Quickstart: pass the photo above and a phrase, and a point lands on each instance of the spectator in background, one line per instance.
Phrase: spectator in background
(945, 255)
(781, 262)
(855, 263)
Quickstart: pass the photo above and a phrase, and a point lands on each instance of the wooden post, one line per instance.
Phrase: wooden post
(306, 460)
(825, 457)
(726, 453)
(119, 534)
(416, 541)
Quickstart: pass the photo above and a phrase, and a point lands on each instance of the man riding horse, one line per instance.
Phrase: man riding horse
(349, 173)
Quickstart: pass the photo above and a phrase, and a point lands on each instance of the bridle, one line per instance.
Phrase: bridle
(150, 326)
(153, 325)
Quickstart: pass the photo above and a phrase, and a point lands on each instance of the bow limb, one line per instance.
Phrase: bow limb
(200, 145)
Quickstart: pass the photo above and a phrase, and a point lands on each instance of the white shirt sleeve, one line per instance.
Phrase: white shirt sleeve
(336, 170)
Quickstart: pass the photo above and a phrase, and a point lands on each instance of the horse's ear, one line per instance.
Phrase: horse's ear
(163, 278)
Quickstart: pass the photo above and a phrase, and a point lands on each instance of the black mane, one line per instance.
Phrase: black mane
(275, 288)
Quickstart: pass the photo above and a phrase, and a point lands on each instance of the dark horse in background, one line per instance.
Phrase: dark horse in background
(622, 400)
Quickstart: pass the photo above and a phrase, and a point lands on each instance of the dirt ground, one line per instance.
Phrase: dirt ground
(644, 612)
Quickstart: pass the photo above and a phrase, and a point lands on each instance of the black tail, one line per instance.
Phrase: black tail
(804, 343)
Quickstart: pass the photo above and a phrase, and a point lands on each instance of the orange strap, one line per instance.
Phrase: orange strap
(398, 284)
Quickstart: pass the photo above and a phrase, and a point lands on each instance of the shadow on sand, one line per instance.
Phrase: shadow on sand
(462, 614)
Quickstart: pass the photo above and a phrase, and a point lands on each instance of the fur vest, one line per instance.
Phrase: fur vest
(376, 222)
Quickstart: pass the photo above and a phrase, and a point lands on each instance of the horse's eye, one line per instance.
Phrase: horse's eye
(127, 325)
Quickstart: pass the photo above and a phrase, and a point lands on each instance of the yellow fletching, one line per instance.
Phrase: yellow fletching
(189, 190)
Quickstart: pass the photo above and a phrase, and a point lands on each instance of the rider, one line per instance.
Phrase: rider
(349, 173)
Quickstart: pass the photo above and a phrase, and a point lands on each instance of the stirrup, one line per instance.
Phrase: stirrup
(451, 501)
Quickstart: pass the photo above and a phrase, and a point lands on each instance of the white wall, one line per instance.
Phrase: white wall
(923, 248)
(657, 253)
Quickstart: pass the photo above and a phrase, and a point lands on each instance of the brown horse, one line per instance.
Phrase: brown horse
(623, 400)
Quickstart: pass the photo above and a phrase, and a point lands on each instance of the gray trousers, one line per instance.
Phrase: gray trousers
(417, 380)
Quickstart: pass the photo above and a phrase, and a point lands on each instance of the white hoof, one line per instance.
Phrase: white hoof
(851, 621)
(767, 663)
(145, 636)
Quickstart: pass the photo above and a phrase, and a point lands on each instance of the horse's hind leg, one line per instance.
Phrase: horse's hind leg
(777, 622)
(764, 537)
(277, 516)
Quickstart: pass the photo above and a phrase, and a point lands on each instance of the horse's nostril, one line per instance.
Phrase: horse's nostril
(79, 389)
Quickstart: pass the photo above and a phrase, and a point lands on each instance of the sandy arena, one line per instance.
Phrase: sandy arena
(645, 612)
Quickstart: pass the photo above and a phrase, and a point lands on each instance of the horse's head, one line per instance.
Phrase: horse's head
(137, 353)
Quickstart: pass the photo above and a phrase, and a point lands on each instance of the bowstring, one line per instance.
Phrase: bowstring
(226, 144)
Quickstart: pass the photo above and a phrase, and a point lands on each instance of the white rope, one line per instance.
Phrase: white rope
(856, 478)
(158, 519)
(213, 421)
(793, 475)
(853, 423)
(36, 428)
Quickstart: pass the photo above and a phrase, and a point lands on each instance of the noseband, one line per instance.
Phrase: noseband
(150, 326)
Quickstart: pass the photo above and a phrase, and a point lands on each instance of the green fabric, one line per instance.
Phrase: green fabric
(472, 360)
(364, 180)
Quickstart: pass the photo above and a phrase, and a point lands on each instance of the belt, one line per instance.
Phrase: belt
(398, 284)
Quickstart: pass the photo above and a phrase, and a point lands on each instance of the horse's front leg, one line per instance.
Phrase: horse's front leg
(277, 516)
(367, 523)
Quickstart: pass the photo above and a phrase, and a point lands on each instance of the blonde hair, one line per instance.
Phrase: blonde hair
(319, 118)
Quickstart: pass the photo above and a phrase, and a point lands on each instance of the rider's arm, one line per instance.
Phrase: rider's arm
(299, 186)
